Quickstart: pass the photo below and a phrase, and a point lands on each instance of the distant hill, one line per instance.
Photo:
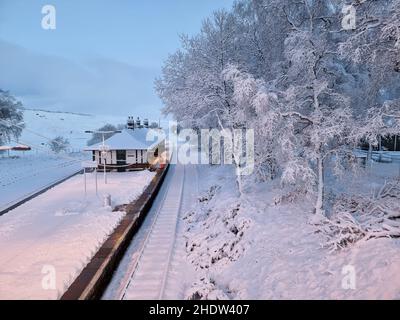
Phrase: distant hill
(42, 125)
(52, 111)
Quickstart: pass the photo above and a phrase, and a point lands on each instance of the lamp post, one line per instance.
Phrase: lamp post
(104, 148)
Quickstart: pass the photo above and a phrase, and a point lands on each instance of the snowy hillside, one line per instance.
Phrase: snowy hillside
(40, 126)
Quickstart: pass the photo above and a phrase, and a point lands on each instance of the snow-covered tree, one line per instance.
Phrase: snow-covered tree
(380, 122)
(301, 139)
(98, 137)
(192, 86)
(11, 116)
(372, 49)
(310, 88)
(255, 116)
(59, 144)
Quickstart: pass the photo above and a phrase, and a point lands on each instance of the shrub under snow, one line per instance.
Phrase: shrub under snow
(215, 231)
(214, 238)
(206, 289)
(357, 218)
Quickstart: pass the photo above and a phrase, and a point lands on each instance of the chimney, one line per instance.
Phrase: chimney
(130, 124)
(138, 122)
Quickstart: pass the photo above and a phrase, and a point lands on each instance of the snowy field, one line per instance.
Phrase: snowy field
(52, 237)
(42, 125)
(256, 248)
(20, 177)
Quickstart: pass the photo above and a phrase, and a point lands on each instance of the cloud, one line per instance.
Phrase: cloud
(98, 85)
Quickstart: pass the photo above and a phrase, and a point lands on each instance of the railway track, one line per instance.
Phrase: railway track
(180, 272)
(148, 276)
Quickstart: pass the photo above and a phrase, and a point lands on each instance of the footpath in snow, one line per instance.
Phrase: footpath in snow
(46, 242)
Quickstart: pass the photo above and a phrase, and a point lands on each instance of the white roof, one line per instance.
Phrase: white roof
(127, 140)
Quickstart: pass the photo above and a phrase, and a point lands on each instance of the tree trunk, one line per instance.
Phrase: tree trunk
(319, 206)
(238, 171)
(369, 157)
(239, 181)
(236, 160)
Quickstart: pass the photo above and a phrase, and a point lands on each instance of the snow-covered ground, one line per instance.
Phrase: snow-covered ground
(256, 248)
(20, 177)
(40, 126)
(53, 236)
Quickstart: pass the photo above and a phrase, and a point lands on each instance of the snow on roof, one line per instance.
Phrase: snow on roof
(21, 147)
(18, 147)
(126, 140)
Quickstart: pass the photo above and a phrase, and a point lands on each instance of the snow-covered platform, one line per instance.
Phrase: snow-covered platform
(95, 277)
(21, 177)
(46, 242)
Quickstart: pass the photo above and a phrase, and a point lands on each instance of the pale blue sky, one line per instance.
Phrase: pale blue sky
(102, 57)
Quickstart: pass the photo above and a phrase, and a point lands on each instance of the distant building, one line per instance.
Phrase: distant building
(18, 147)
(389, 143)
(128, 150)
